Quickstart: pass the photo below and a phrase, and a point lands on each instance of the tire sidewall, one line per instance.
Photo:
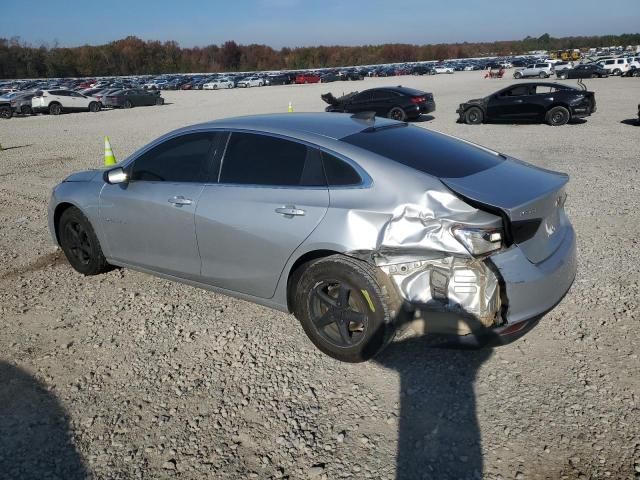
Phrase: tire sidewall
(96, 262)
(379, 327)
(467, 115)
(402, 118)
(551, 113)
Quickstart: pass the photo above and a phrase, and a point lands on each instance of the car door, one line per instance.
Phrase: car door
(271, 196)
(149, 220)
(510, 104)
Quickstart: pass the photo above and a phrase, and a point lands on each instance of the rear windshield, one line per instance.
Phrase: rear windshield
(426, 151)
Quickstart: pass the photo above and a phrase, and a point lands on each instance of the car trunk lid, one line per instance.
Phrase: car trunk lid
(530, 200)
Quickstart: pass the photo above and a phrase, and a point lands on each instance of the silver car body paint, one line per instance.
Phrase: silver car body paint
(398, 219)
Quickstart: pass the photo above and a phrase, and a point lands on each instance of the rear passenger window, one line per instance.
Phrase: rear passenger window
(253, 159)
(182, 159)
(338, 172)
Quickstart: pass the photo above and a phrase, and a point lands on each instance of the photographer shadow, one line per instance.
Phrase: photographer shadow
(438, 432)
(35, 442)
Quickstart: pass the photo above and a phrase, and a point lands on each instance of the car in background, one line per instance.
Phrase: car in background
(303, 78)
(540, 70)
(352, 226)
(251, 82)
(132, 98)
(329, 77)
(21, 103)
(634, 67)
(615, 66)
(399, 103)
(443, 69)
(56, 102)
(218, 83)
(350, 75)
(423, 70)
(6, 111)
(562, 65)
(553, 103)
(585, 70)
(278, 79)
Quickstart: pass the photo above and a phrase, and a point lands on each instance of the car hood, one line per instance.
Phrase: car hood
(84, 176)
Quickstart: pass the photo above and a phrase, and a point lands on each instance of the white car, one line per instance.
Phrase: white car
(251, 82)
(616, 66)
(541, 70)
(218, 83)
(442, 69)
(562, 65)
(62, 100)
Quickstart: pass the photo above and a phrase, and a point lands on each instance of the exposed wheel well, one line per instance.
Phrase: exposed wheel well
(56, 217)
(299, 267)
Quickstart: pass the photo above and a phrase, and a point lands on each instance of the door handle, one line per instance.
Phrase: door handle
(179, 201)
(290, 211)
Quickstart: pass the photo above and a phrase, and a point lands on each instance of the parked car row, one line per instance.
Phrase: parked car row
(56, 101)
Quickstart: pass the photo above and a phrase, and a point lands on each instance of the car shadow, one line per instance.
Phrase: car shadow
(438, 432)
(631, 121)
(422, 118)
(34, 431)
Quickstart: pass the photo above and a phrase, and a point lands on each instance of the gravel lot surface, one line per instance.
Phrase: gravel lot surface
(127, 376)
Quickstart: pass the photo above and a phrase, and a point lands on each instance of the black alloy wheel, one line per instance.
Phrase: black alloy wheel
(397, 113)
(339, 316)
(80, 243)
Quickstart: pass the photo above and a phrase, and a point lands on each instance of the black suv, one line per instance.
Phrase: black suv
(586, 70)
(399, 103)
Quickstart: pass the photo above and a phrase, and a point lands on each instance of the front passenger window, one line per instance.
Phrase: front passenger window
(181, 159)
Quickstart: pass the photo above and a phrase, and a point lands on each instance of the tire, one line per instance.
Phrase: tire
(55, 108)
(26, 110)
(542, 75)
(127, 104)
(159, 101)
(94, 107)
(594, 75)
(215, 87)
(6, 112)
(616, 71)
(558, 116)
(229, 86)
(80, 244)
(517, 75)
(562, 76)
(345, 307)
(474, 116)
(396, 113)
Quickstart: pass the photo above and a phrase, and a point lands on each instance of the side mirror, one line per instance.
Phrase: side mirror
(115, 176)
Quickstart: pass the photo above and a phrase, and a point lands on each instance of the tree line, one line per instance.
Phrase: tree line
(134, 56)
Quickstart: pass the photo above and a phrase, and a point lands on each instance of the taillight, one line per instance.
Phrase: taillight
(417, 100)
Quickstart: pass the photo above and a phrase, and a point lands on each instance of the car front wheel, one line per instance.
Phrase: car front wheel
(517, 75)
(558, 116)
(473, 116)
(6, 112)
(55, 109)
(80, 243)
(94, 107)
(345, 308)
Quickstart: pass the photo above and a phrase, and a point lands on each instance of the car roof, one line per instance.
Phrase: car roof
(328, 125)
(399, 89)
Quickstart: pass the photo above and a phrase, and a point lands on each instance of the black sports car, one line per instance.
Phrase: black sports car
(553, 103)
(587, 70)
(399, 103)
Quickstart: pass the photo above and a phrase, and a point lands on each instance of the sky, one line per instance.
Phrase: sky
(294, 23)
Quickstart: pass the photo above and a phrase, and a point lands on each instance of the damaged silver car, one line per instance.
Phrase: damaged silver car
(354, 224)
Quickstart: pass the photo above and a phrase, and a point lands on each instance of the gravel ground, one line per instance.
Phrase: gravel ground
(128, 376)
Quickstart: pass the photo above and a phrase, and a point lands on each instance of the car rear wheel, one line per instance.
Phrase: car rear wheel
(127, 104)
(517, 75)
(542, 75)
(94, 107)
(215, 87)
(6, 112)
(396, 113)
(562, 76)
(473, 116)
(55, 109)
(344, 307)
(80, 244)
(617, 71)
(558, 116)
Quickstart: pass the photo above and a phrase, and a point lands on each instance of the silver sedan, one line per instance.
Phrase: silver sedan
(354, 224)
